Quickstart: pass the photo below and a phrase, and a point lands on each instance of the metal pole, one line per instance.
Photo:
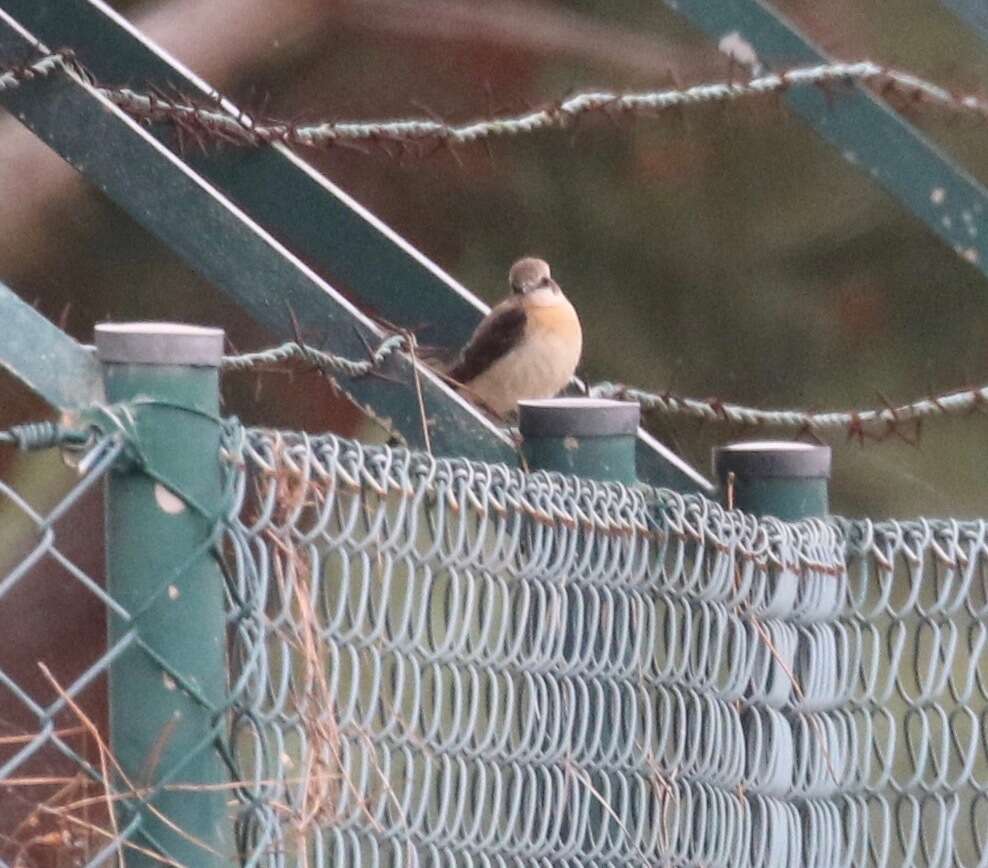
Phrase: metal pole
(783, 479)
(594, 439)
(790, 482)
(160, 513)
(589, 437)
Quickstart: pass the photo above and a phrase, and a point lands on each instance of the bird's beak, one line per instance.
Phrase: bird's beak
(554, 285)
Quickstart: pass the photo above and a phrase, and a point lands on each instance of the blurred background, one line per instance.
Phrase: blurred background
(723, 252)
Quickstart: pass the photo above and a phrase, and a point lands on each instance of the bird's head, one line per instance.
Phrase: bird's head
(530, 274)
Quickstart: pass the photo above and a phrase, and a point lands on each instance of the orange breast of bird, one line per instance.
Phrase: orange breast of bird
(559, 321)
(556, 331)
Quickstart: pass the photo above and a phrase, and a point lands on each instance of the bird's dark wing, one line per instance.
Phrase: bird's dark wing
(499, 331)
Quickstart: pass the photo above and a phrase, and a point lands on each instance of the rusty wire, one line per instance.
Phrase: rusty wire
(873, 423)
(876, 423)
(211, 119)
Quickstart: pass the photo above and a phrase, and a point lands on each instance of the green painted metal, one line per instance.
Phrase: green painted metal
(161, 568)
(786, 499)
(593, 438)
(789, 481)
(603, 458)
(228, 248)
(45, 359)
(866, 132)
(974, 13)
(274, 186)
(314, 218)
(588, 437)
(660, 466)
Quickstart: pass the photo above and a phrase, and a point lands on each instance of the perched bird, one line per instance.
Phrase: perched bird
(528, 346)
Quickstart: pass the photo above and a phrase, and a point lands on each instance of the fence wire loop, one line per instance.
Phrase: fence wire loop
(596, 667)
(434, 661)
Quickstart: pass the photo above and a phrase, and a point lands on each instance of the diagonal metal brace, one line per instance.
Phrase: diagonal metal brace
(324, 226)
(50, 363)
(868, 133)
(228, 248)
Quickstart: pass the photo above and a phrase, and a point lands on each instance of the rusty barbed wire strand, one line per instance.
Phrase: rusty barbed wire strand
(12, 76)
(213, 119)
(327, 363)
(241, 129)
(237, 128)
(874, 423)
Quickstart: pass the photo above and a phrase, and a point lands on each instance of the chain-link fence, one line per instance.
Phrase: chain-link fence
(440, 662)
(56, 787)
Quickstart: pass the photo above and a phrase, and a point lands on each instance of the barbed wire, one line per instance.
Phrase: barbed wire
(241, 129)
(327, 363)
(874, 423)
(14, 75)
(214, 120)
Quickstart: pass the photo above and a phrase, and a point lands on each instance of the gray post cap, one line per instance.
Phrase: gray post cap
(767, 459)
(577, 417)
(159, 343)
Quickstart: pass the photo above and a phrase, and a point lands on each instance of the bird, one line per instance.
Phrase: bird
(527, 347)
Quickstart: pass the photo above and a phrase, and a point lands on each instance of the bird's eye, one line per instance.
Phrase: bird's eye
(545, 281)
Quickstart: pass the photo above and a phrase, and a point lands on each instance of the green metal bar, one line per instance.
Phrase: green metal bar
(865, 131)
(45, 359)
(228, 248)
(974, 13)
(166, 688)
(660, 466)
(316, 219)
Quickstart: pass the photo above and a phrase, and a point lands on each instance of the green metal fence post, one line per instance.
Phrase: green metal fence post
(790, 482)
(783, 479)
(594, 439)
(165, 689)
(589, 437)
